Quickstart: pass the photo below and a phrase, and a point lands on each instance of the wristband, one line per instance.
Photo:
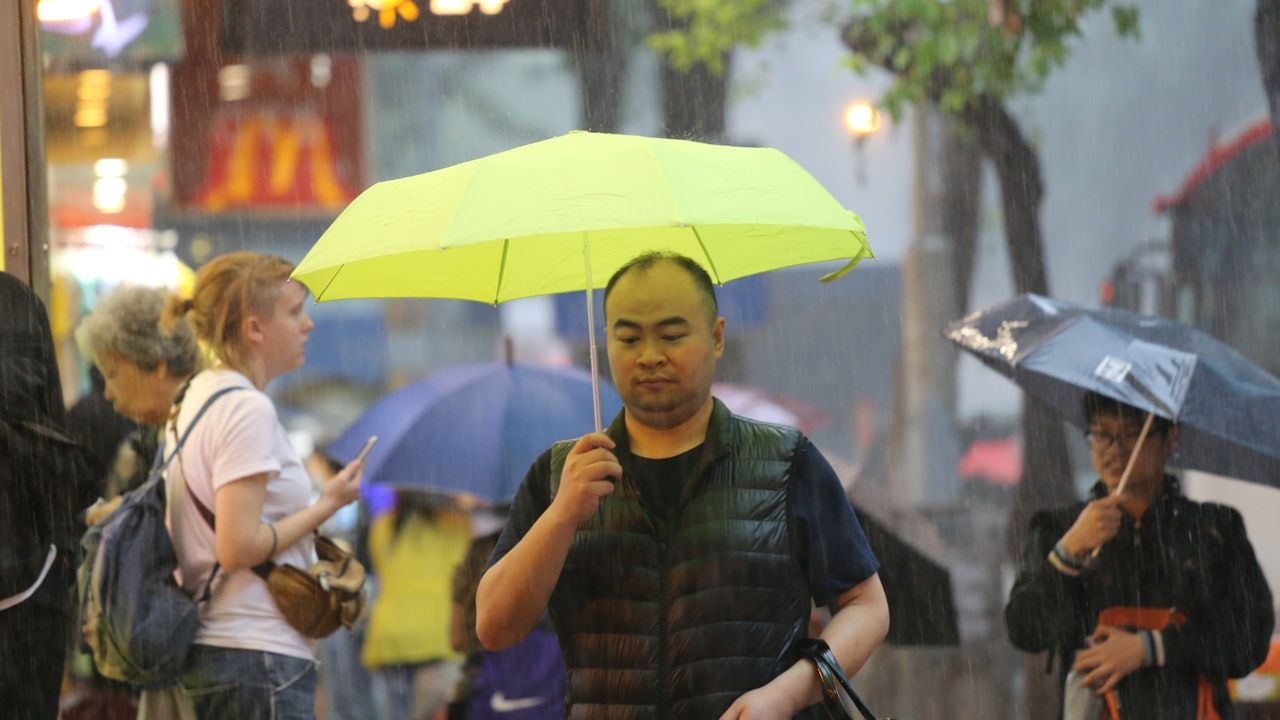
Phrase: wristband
(274, 539)
(1076, 563)
(1061, 566)
(1148, 648)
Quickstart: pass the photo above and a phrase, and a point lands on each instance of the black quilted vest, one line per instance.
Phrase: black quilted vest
(676, 628)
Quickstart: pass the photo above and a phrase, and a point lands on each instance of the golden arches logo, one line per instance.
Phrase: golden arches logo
(267, 159)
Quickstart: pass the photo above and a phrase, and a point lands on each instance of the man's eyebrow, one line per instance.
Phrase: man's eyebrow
(623, 323)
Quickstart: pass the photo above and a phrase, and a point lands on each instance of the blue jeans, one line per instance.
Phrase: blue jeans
(227, 684)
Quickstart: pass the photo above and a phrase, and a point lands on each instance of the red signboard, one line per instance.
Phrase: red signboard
(273, 134)
(272, 159)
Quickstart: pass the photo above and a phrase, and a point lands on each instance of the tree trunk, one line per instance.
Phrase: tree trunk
(601, 57)
(1046, 469)
(960, 207)
(693, 102)
(1266, 28)
(924, 445)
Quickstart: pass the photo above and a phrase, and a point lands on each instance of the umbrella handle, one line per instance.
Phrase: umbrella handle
(1128, 468)
(591, 332)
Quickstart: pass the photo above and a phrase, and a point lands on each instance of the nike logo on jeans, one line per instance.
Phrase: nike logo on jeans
(500, 703)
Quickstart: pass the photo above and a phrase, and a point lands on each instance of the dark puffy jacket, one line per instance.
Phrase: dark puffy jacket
(693, 619)
(43, 478)
(1193, 557)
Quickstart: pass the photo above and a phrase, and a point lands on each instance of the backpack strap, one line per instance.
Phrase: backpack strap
(262, 569)
(182, 439)
(160, 466)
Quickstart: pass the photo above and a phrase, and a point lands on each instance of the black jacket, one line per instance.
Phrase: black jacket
(43, 476)
(1194, 557)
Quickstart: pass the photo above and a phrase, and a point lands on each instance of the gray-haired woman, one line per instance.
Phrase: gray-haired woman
(144, 362)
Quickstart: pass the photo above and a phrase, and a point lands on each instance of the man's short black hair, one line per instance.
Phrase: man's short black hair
(1096, 404)
(647, 260)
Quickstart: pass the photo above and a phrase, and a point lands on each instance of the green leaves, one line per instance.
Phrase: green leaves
(707, 30)
(1126, 20)
(952, 51)
(946, 51)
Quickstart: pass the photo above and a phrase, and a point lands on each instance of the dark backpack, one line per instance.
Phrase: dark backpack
(140, 623)
(524, 682)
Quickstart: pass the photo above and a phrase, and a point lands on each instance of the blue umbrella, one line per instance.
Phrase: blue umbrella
(1227, 407)
(472, 429)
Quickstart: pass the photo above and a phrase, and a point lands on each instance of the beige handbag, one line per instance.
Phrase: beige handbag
(315, 601)
(325, 596)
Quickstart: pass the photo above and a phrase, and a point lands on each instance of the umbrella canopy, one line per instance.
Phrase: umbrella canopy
(761, 405)
(471, 429)
(514, 224)
(918, 589)
(998, 461)
(564, 214)
(1227, 407)
(915, 569)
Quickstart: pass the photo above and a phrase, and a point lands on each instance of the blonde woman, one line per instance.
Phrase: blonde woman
(237, 463)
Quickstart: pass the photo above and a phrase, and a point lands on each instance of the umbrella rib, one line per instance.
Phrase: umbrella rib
(326, 285)
(502, 270)
(706, 254)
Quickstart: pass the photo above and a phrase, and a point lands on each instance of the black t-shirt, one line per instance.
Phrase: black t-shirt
(834, 549)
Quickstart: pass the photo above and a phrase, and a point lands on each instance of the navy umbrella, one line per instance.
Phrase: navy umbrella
(472, 429)
(1227, 407)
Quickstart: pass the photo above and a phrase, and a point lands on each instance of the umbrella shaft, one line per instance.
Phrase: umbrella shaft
(591, 332)
(1133, 456)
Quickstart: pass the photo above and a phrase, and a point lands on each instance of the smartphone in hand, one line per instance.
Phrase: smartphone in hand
(368, 445)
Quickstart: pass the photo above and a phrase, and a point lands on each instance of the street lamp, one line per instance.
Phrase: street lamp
(861, 119)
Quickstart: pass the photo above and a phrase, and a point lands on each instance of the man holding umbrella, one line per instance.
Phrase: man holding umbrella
(1147, 600)
(679, 551)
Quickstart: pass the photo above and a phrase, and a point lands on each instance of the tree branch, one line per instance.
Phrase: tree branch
(1266, 28)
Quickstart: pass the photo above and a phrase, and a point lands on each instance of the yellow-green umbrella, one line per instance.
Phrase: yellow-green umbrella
(563, 214)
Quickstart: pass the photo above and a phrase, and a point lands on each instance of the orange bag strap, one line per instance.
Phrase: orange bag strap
(1142, 618)
(1149, 618)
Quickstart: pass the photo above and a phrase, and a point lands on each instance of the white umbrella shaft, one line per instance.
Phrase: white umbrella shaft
(1133, 456)
(1128, 468)
(591, 332)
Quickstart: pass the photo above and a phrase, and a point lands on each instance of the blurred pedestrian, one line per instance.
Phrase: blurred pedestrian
(489, 688)
(462, 619)
(93, 423)
(1146, 599)
(679, 552)
(414, 549)
(239, 496)
(44, 483)
(143, 360)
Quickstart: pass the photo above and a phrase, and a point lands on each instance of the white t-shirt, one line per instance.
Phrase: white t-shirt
(238, 436)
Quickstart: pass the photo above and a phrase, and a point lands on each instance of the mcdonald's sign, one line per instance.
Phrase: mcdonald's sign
(265, 159)
(288, 138)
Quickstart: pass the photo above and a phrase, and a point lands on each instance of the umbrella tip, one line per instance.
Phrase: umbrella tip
(508, 350)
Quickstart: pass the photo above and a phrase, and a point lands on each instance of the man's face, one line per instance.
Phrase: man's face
(140, 395)
(662, 343)
(1111, 443)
